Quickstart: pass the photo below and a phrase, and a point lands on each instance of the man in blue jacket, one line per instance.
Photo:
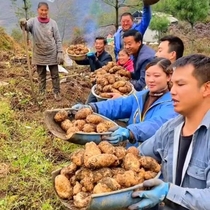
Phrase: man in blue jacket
(182, 145)
(142, 55)
(127, 23)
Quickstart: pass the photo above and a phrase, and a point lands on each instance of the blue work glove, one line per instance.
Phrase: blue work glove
(80, 106)
(91, 55)
(152, 197)
(120, 134)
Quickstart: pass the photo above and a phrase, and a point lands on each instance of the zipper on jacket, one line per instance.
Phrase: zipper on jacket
(142, 117)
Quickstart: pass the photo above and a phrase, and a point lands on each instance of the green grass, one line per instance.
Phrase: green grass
(31, 154)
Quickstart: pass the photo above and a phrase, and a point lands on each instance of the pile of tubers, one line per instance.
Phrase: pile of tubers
(102, 168)
(111, 78)
(84, 121)
(78, 49)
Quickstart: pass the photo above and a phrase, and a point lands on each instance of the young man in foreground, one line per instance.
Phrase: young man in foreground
(182, 145)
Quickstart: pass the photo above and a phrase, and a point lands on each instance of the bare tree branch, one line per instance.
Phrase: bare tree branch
(109, 2)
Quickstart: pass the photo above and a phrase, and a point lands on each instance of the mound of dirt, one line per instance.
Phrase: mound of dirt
(7, 43)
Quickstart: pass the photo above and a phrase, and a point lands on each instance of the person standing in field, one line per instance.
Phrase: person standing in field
(47, 47)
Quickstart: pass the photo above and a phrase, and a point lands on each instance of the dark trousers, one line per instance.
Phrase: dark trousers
(41, 70)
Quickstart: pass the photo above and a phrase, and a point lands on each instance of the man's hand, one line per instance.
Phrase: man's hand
(114, 95)
(91, 55)
(60, 58)
(23, 23)
(150, 198)
(119, 135)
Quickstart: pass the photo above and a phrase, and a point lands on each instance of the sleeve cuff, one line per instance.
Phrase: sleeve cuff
(175, 194)
(94, 107)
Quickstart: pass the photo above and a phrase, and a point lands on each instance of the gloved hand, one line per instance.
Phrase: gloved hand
(120, 134)
(60, 58)
(23, 23)
(91, 55)
(80, 106)
(151, 197)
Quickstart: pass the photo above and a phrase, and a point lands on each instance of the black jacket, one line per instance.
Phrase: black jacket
(97, 62)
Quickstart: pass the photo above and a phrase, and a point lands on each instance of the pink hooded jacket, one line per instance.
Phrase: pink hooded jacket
(128, 65)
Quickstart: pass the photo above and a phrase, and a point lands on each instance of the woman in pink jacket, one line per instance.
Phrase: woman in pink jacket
(125, 61)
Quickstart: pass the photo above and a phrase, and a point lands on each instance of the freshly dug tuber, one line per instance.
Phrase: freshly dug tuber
(131, 162)
(106, 147)
(102, 128)
(94, 119)
(127, 179)
(106, 184)
(63, 187)
(101, 160)
(77, 188)
(71, 131)
(89, 128)
(149, 164)
(77, 157)
(101, 173)
(120, 152)
(66, 124)
(133, 150)
(79, 124)
(69, 170)
(82, 199)
(91, 149)
(61, 116)
(83, 113)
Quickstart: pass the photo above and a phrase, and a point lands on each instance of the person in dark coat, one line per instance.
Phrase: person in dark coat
(142, 55)
(96, 60)
(99, 58)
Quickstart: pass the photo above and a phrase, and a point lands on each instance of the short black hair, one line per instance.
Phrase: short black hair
(101, 38)
(201, 64)
(175, 44)
(43, 3)
(127, 14)
(136, 34)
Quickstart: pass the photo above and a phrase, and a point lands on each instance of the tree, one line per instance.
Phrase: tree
(24, 11)
(159, 24)
(117, 4)
(63, 17)
(191, 11)
(164, 6)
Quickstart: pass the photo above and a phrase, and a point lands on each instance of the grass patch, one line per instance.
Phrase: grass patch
(31, 154)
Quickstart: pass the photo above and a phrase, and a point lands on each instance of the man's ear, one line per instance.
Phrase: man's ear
(173, 55)
(206, 92)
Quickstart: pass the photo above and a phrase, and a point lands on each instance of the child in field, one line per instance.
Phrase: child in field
(125, 61)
